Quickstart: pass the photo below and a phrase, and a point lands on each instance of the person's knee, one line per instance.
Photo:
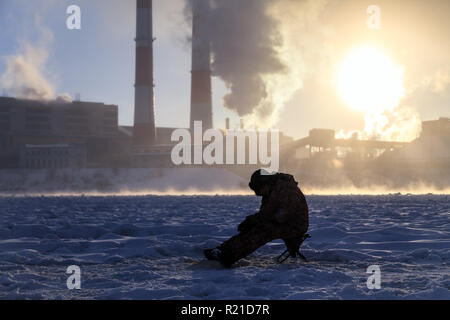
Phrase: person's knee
(227, 258)
(292, 243)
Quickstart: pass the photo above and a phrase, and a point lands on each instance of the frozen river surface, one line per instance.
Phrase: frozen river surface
(150, 247)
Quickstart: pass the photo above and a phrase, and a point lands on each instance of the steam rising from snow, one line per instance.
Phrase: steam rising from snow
(186, 181)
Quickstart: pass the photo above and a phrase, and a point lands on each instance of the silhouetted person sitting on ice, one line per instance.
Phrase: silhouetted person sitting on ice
(283, 215)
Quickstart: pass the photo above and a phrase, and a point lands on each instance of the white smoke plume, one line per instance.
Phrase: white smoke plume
(401, 123)
(24, 75)
(260, 50)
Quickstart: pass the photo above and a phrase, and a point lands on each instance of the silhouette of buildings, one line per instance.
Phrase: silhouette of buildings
(94, 126)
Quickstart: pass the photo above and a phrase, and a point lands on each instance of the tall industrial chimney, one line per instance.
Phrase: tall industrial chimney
(201, 99)
(144, 105)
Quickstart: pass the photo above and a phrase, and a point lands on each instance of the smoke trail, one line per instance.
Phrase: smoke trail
(24, 72)
(258, 53)
(23, 76)
(305, 49)
(402, 124)
(243, 39)
(399, 124)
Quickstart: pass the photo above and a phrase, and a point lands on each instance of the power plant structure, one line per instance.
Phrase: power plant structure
(151, 145)
(150, 148)
(32, 128)
(70, 135)
(201, 96)
(144, 132)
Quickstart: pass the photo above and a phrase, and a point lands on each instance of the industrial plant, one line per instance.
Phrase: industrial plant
(60, 134)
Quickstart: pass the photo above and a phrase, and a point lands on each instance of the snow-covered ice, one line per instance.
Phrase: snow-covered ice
(150, 247)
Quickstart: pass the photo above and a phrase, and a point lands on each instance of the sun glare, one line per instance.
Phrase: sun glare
(368, 81)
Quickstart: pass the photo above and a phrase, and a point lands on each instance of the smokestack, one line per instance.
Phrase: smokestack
(227, 123)
(201, 99)
(144, 109)
(242, 124)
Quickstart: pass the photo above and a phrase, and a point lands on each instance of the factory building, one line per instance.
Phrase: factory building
(54, 156)
(436, 128)
(30, 122)
(57, 119)
(322, 143)
(433, 145)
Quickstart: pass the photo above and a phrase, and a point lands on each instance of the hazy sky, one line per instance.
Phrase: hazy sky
(98, 60)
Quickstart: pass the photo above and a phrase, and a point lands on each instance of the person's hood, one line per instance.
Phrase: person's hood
(285, 177)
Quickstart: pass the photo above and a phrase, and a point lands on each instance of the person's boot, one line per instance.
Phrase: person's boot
(217, 255)
(212, 254)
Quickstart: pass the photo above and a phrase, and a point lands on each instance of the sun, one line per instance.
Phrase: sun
(368, 81)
